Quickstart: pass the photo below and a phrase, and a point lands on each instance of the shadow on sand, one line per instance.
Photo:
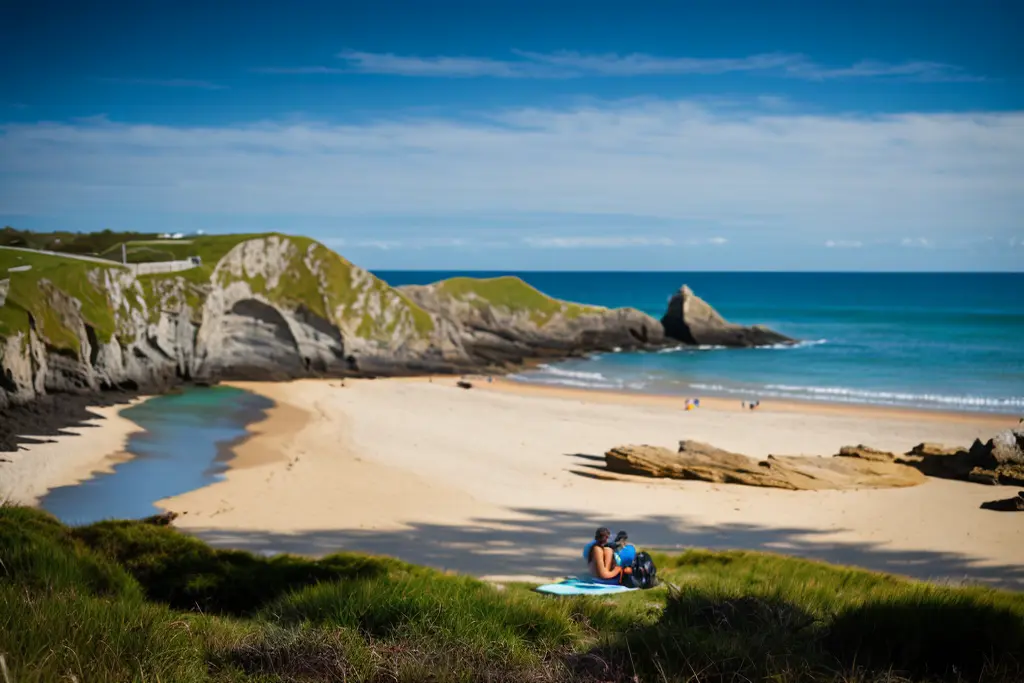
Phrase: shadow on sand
(548, 543)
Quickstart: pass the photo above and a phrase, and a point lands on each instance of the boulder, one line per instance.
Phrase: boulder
(702, 462)
(1005, 448)
(1015, 504)
(1000, 460)
(693, 321)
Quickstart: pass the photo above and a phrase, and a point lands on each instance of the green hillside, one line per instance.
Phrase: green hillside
(43, 291)
(512, 294)
(133, 601)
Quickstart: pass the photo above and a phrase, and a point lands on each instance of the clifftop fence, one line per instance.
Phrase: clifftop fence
(161, 266)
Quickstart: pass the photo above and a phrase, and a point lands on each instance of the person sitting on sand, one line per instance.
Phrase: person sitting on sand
(601, 558)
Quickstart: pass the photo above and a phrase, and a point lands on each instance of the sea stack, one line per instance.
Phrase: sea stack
(692, 320)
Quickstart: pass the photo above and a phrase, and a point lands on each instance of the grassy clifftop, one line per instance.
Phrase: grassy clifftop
(57, 287)
(120, 601)
(107, 297)
(512, 294)
(45, 291)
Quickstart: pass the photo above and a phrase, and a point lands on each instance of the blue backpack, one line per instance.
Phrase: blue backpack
(624, 557)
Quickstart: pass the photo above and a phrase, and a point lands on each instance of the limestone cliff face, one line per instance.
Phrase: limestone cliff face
(274, 307)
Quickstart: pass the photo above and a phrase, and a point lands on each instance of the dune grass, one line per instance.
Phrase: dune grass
(134, 601)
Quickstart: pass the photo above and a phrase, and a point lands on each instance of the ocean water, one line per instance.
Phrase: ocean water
(184, 447)
(945, 341)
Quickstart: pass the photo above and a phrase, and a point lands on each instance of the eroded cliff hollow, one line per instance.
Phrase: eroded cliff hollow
(273, 306)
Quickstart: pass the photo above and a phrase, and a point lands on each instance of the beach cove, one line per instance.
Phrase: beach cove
(505, 481)
(499, 482)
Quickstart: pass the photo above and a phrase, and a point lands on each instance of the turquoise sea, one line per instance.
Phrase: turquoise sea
(947, 341)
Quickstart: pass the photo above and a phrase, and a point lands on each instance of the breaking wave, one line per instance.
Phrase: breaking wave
(863, 396)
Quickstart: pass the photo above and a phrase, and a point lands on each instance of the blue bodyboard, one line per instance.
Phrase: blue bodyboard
(582, 586)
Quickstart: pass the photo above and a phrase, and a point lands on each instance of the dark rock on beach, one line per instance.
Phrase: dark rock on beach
(1000, 460)
(1015, 504)
(50, 415)
(693, 321)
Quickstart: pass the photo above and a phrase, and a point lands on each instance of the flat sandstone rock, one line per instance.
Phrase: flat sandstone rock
(853, 468)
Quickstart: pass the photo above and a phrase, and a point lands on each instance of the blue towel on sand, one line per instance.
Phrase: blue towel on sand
(583, 585)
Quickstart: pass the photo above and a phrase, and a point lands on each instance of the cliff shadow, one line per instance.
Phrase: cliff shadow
(548, 543)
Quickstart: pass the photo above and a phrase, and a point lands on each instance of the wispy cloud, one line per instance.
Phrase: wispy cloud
(618, 241)
(844, 244)
(597, 242)
(166, 83)
(404, 243)
(929, 72)
(568, 64)
(919, 242)
(696, 171)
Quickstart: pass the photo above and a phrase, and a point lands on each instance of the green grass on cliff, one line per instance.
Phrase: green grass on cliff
(299, 286)
(120, 601)
(38, 291)
(513, 294)
(209, 248)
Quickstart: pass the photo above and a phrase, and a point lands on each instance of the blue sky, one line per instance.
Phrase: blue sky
(500, 135)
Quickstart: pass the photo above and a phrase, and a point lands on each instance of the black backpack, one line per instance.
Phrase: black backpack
(645, 574)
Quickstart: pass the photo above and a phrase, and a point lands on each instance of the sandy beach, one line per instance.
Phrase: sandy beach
(86, 450)
(499, 481)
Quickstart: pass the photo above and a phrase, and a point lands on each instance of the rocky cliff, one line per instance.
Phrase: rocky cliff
(272, 306)
(503, 321)
(692, 320)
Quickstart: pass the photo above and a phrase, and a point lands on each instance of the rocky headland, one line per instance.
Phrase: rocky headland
(278, 307)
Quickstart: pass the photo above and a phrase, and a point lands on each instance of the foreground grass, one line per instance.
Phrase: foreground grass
(130, 601)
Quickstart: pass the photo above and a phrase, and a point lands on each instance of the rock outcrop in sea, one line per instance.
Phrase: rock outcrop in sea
(693, 321)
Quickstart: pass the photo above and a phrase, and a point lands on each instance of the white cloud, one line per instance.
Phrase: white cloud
(569, 64)
(745, 172)
(844, 244)
(167, 83)
(597, 242)
(617, 241)
(921, 242)
(388, 244)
